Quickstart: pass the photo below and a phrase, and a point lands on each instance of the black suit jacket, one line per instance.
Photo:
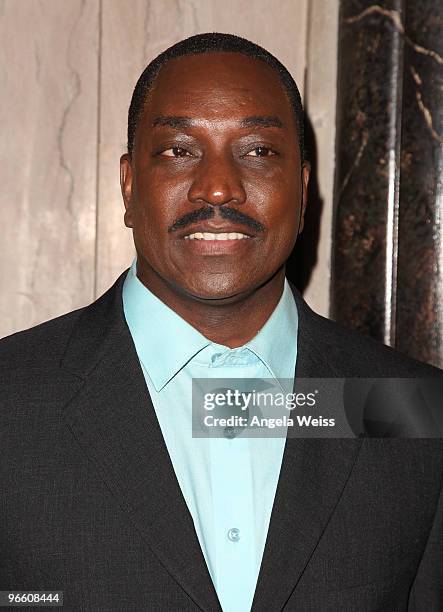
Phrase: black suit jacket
(90, 503)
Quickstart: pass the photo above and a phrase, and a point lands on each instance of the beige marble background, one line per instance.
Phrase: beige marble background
(67, 71)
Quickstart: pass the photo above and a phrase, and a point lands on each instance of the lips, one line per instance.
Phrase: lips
(215, 232)
(217, 236)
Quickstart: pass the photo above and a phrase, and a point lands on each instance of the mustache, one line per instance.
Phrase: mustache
(208, 212)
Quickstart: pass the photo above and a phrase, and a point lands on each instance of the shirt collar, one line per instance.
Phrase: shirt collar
(276, 343)
(165, 342)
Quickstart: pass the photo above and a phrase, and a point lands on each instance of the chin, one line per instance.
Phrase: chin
(219, 289)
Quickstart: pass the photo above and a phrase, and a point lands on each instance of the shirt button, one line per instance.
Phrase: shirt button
(234, 534)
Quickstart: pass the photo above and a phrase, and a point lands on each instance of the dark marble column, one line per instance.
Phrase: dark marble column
(420, 240)
(368, 141)
(387, 238)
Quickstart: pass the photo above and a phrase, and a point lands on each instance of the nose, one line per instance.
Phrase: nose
(217, 181)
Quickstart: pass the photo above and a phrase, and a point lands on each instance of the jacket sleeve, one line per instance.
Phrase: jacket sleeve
(427, 590)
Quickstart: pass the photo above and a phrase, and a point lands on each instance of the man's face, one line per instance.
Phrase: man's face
(216, 155)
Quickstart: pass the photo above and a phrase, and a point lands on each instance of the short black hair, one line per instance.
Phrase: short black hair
(212, 42)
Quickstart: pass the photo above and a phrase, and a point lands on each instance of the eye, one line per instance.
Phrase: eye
(175, 152)
(261, 152)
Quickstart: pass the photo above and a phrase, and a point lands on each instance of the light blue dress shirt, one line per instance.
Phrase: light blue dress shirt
(228, 484)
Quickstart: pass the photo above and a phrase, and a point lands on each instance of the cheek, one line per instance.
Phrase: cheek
(157, 204)
(281, 216)
(277, 202)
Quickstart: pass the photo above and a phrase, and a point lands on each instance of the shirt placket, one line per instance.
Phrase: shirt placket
(233, 508)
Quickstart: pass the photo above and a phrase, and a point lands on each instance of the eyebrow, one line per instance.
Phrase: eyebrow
(177, 122)
(262, 121)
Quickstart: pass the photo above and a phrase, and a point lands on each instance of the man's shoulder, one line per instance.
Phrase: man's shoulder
(353, 354)
(42, 344)
(30, 367)
(45, 344)
(362, 354)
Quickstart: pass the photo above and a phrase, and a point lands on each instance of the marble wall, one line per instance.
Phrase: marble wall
(67, 71)
(49, 147)
(388, 242)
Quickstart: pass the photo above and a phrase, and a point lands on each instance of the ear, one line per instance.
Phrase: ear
(126, 187)
(305, 172)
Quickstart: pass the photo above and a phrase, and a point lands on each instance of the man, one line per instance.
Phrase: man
(106, 494)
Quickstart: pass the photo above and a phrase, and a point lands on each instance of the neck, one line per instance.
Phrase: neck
(230, 323)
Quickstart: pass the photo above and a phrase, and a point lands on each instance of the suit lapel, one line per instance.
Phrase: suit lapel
(312, 478)
(113, 419)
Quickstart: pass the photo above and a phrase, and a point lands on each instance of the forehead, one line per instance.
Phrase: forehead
(210, 85)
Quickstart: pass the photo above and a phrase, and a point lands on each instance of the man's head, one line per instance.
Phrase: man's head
(207, 43)
(215, 146)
